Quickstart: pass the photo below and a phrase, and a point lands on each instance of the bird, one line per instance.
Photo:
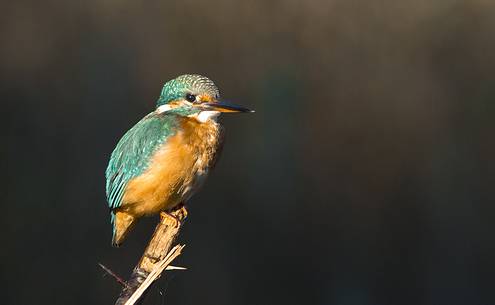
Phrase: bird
(165, 158)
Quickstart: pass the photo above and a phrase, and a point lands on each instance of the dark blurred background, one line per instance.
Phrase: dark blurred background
(364, 177)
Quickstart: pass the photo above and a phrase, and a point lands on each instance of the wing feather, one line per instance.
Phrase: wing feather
(131, 155)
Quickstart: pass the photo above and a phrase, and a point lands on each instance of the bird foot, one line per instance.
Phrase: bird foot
(177, 216)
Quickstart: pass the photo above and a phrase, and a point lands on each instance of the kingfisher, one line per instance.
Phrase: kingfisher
(165, 158)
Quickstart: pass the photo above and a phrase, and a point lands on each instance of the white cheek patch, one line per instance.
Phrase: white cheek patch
(204, 116)
(163, 108)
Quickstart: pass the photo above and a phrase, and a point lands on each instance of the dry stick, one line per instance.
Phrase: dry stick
(157, 271)
(158, 248)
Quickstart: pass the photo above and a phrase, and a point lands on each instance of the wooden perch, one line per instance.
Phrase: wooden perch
(156, 257)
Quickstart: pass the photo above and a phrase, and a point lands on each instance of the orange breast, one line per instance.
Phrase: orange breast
(172, 174)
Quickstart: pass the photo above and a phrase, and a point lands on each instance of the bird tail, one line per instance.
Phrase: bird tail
(122, 225)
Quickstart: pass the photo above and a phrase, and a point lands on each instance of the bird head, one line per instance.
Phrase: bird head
(194, 95)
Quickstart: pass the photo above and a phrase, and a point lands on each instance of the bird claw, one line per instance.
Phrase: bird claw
(177, 216)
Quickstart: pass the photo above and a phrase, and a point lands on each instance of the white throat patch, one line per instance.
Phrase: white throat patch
(204, 116)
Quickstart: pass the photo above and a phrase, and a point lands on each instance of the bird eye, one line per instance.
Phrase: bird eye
(191, 98)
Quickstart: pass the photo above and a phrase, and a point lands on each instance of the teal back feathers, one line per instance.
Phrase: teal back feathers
(185, 84)
(133, 152)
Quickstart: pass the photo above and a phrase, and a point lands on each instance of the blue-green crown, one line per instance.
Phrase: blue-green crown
(179, 87)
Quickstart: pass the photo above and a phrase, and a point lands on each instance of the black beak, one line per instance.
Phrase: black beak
(225, 107)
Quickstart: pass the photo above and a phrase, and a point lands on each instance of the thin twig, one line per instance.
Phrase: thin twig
(115, 276)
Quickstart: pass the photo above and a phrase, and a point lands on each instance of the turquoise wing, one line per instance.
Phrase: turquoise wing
(131, 155)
